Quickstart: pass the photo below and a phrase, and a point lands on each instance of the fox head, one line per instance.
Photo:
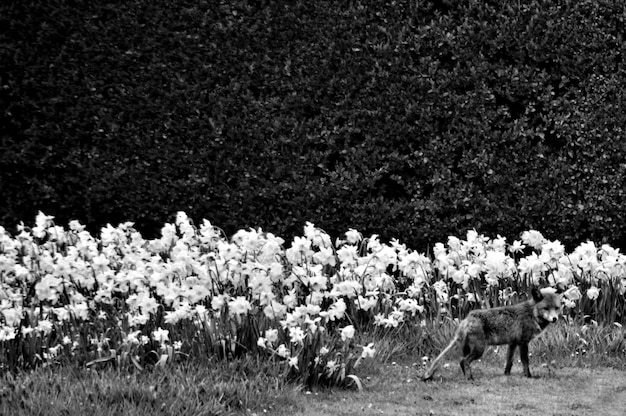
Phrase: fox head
(547, 307)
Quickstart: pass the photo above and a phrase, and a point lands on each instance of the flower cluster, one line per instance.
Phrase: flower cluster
(55, 280)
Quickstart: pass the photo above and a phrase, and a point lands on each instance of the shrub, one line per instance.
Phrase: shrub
(412, 119)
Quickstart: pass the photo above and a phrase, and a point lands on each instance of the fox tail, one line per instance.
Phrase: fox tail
(428, 375)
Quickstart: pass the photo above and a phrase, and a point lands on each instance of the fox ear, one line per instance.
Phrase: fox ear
(536, 293)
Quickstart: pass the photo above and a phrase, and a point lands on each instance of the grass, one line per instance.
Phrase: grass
(395, 389)
(577, 370)
(390, 388)
(219, 388)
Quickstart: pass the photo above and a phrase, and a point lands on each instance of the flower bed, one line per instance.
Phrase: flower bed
(120, 299)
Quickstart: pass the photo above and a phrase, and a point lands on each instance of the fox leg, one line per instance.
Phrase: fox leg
(523, 352)
(472, 350)
(509, 359)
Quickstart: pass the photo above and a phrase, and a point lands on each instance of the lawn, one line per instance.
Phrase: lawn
(212, 388)
(397, 390)
(390, 388)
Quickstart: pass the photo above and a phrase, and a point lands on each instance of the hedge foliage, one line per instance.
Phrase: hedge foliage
(413, 119)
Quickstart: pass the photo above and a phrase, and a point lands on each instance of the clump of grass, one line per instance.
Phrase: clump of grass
(218, 388)
(568, 343)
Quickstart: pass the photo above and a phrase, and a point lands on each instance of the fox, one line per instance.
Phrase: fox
(515, 325)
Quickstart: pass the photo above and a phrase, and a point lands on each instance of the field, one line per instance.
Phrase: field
(197, 323)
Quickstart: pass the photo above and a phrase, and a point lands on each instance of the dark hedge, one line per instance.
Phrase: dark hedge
(412, 119)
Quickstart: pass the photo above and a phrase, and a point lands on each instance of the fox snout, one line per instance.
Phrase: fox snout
(550, 316)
